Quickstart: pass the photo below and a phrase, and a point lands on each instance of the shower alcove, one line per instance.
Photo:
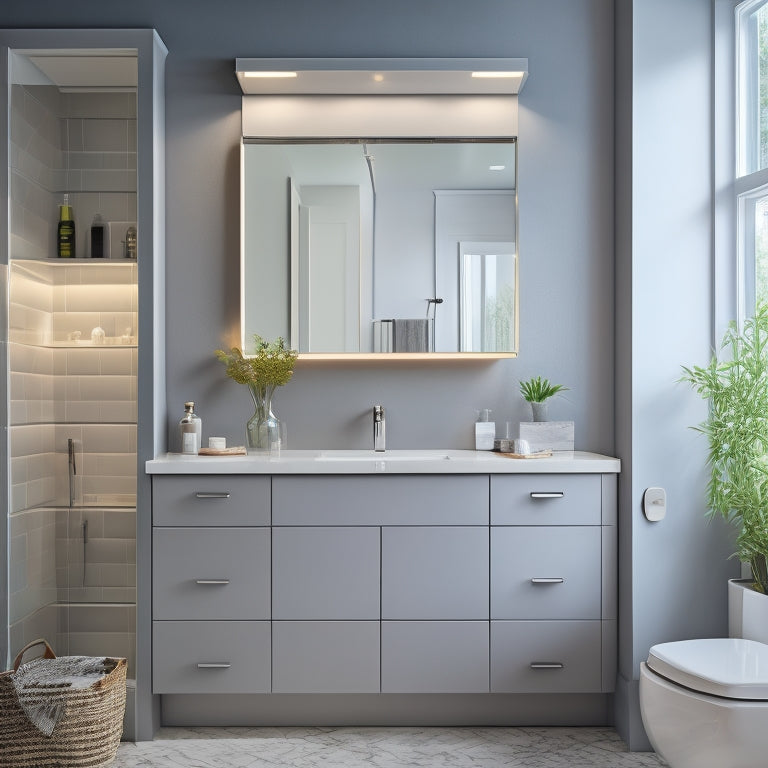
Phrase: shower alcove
(82, 342)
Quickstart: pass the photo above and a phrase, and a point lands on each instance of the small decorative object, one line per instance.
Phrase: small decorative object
(537, 391)
(191, 430)
(736, 386)
(269, 367)
(548, 435)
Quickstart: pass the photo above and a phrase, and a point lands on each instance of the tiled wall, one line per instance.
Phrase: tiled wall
(69, 388)
(80, 143)
(63, 385)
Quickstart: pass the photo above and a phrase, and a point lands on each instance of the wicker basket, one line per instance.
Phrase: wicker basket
(87, 733)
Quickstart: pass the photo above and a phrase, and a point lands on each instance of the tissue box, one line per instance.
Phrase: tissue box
(543, 435)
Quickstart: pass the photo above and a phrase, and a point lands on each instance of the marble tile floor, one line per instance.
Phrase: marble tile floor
(384, 748)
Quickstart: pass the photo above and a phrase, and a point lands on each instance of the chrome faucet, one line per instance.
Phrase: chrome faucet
(379, 428)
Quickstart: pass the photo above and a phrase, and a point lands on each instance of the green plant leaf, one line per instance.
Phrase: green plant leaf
(537, 390)
(735, 382)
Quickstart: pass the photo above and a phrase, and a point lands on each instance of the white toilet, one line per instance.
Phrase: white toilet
(704, 703)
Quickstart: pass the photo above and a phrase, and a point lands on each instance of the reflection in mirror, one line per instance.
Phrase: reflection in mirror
(381, 246)
(486, 296)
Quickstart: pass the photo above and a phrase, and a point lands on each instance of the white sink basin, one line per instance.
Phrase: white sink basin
(383, 456)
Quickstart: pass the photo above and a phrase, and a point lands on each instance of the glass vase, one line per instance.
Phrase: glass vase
(262, 432)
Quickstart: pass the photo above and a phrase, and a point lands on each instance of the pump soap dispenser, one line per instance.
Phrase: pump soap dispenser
(485, 431)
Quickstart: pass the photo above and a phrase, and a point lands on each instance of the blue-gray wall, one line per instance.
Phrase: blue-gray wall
(566, 206)
(569, 304)
(673, 574)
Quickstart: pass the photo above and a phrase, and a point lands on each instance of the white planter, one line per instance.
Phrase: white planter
(747, 611)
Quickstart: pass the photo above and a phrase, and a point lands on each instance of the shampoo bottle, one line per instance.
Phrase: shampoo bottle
(485, 431)
(65, 234)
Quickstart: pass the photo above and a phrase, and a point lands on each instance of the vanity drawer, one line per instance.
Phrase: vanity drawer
(546, 573)
(546, 656)
(434, 656)
(211, 500)
(436, 572)
(326, 657)
(325, 573)
(546, 499)
(211, 657)
(371, 500)
(201, 573)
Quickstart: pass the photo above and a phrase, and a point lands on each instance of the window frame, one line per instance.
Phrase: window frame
(749, 185)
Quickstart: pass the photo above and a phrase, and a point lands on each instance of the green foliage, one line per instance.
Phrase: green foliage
(736, 385)
(537, 390)
(270, 366)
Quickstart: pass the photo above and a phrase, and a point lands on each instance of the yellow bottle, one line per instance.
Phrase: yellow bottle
(65, 237)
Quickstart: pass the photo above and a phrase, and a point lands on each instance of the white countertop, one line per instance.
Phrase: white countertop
(395, 462)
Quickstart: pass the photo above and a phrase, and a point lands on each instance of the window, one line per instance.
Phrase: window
(752, 154)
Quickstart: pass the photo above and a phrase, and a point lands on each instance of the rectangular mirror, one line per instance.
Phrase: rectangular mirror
(381, 246)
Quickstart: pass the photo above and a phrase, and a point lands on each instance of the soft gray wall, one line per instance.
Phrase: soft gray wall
(566, 207)
(673, 573)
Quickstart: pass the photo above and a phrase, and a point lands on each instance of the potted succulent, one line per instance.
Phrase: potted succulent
(537, 391)
(736, 385)
(270, 366)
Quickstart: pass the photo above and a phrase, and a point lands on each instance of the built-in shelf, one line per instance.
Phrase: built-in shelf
(78, 260)
(86, 345)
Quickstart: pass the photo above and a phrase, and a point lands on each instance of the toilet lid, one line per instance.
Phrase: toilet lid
(728, 667)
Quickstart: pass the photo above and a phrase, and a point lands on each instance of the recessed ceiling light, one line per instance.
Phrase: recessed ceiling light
(497, 74)
(378, 77)
(496, 167)
(271, 74)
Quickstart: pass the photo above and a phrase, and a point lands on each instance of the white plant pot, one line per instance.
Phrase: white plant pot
(747, 611)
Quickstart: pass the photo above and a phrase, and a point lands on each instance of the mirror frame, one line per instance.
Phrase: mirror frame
(484, 108)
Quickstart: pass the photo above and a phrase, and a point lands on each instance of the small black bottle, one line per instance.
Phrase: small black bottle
(97, 237)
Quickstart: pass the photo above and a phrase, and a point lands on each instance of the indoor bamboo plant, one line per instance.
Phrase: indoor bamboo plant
(537, 391)
(736, 384)
(270, 366)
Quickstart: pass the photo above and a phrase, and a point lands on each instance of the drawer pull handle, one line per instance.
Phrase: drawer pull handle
(212, 581)
(547, 665)
(213, 495)
(547, 494)
(541, 580)
(214, 665)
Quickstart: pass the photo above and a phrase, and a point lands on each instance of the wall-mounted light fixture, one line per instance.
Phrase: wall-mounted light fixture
(381, 76)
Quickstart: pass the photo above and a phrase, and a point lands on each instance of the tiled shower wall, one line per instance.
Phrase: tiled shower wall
(62, 386)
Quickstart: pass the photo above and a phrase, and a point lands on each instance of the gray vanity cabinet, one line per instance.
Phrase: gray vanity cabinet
(434, 609)
(553, 583)
(325, 612)
(211, 585)
(428, 584)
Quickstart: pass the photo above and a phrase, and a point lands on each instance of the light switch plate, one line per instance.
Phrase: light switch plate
(655, 504)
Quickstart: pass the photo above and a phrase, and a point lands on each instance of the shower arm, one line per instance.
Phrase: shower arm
(72, 470)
